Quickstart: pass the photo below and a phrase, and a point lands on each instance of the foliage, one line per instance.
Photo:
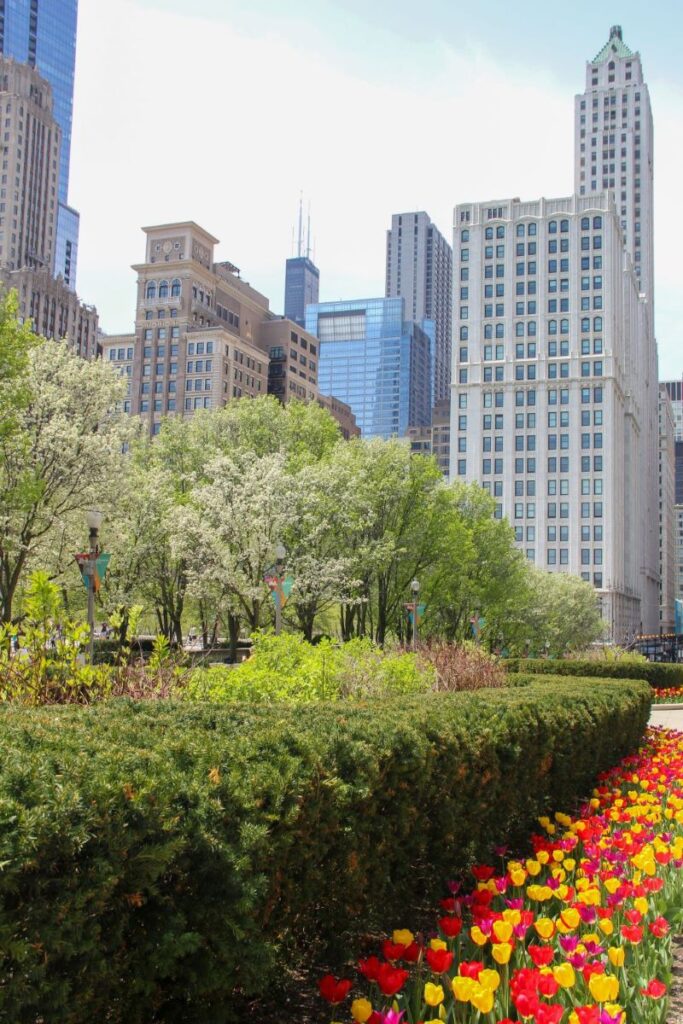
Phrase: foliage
(655, 673)
(42, 663)
(607, 653)
(462, 666)
(160, 856)
(288, 668)
(61, 457)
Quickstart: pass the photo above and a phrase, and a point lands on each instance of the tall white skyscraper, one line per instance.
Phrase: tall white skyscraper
(420, 271)
(614, 147)
(554, 404)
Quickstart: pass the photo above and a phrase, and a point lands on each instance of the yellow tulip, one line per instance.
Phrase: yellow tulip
(641, 904)
(501, 952)
(544, 927)
(482, 998)
(437, 944)
(518, 877)
(570, 917)
(402, 937)
(569, 863)
(533, 867)
(433, 994)
(462, 988)
(502, 930)
(361, 1010)
(477, 936)
(489, 979)
(617, 955)
(603, 987)
(543, 856)
(564, 975)
(606, 925)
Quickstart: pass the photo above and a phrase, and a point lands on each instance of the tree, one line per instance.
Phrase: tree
(62, 456)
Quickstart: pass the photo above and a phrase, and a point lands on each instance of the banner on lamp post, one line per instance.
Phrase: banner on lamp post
(101, 565)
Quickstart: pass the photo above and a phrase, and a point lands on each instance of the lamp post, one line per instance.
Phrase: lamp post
(94, 521)
(280, 552)
(415, 587)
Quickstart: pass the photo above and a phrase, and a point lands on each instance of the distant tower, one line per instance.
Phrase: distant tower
(302, 277)
(42, 33)
(419, 270)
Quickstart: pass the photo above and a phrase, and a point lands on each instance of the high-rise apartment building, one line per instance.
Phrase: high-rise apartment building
(419, 269)
(42, 34)
(375, 360)
(30, 173)
(614, 148)
(551, 391)
(674, 389)
(29, 210)
(667, 513)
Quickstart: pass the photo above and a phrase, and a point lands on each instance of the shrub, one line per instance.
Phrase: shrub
(158, 856)
(287, 667)
(655, 673)
(462, 667)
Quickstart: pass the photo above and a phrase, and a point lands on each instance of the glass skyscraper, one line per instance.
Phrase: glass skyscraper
(374, 360)
(42, 33)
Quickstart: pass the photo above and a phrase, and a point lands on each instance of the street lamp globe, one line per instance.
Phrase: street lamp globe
(415, 587)
(280, 552)
(94, 519)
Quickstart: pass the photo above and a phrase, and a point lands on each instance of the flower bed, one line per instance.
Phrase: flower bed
(667, 695)
(579, 932)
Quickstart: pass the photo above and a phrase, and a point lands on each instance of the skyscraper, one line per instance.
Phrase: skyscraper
(613, 147)
(419, 270)
(302, 277)
(375, 360)
(555, 394)
(42, 33)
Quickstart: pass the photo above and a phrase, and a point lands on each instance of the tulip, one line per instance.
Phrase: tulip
(361, 1010)
(439, 960)
(433, 994)
(502, 951)
(603, 987)
(333, 990)
(655, 989)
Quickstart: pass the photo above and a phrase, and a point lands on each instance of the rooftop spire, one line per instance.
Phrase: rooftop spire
(614, 47)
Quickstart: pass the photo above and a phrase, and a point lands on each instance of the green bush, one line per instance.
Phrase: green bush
(655, 673)
(287, 667)
(158, 857)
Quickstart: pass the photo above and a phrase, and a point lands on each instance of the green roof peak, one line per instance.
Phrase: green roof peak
(614, 47)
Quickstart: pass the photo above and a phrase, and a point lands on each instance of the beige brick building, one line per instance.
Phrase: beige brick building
(29, 181)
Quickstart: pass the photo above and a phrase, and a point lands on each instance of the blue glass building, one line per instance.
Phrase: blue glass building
(42, 33)
(376, 361)
(302, 287)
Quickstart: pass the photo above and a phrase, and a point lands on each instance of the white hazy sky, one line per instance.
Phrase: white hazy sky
(221, 111)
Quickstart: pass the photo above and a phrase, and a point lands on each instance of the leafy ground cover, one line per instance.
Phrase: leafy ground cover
(579, 932)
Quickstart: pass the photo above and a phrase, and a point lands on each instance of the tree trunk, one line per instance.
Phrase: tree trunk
(234, 634)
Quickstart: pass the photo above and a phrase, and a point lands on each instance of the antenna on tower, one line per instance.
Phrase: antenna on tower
(308, 233)
(300, 241)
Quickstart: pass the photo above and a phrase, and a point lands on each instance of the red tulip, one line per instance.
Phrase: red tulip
(450, 926)
(633, 934)
(655, 989)
(332, 990)
(482, 872)
(391, 979)
(471, 970)
(439, 960)
(659, 927)
(541, 955)
(370, 967)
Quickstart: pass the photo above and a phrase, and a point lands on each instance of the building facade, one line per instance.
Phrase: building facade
(435, 439)
(302, 288)
(419, 269)
(667, 513)
(674, 389)
(55, 311)
(42, 34)
(30, 172)
(203, 336)
(613, 148)
(343, 415)
(552, 389)
(376, 361)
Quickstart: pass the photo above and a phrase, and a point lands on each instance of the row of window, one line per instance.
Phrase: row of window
(531, 351)
(528, 371)
(162, 290)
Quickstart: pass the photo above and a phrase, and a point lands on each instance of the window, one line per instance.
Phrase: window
(151, 290)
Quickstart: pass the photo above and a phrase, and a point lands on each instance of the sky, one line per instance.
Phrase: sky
(225, 111)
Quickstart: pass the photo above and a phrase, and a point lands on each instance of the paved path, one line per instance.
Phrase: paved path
(668, 715)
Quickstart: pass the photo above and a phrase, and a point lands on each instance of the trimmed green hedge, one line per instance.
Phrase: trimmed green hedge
(655, 673)
(157, 857)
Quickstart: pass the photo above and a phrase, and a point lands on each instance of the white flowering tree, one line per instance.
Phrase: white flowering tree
(61, 454)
